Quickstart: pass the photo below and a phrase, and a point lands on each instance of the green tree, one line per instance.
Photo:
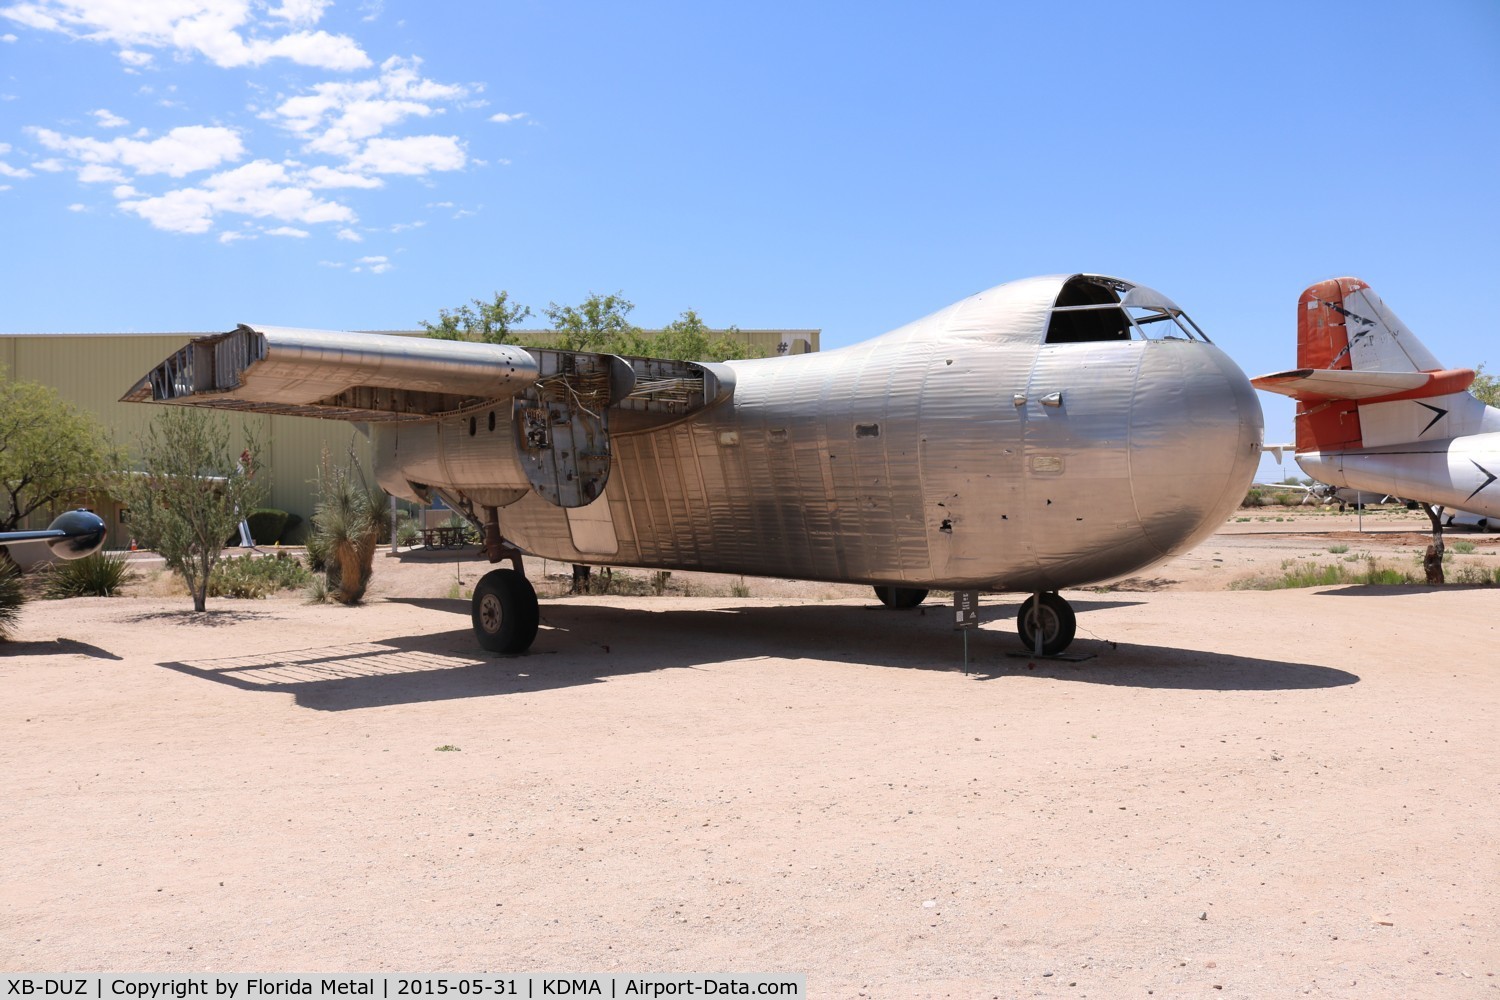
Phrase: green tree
(192, 492)
(687, 338)
(600, 323)
(1486, 387)
(50, 451)
(484, 322)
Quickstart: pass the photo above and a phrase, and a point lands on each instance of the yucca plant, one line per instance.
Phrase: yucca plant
(348, 523)
(11, 598)
(99, 575)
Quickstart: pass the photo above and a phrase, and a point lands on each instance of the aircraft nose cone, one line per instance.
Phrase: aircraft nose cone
(85, 534)
(1195, 438)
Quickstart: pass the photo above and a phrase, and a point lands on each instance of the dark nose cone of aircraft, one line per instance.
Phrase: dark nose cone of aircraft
(83, 534)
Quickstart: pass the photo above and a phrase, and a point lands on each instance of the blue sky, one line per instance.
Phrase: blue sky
(191, 164)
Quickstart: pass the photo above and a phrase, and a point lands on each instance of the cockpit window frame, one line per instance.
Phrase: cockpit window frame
(1152, 314)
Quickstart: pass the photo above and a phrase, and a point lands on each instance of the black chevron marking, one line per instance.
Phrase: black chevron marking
(1441, 413)
(1487, 472)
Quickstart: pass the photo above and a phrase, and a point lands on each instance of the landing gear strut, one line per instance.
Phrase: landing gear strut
(505, 612)
(1046, 623)
(900, 597)
(504, 609)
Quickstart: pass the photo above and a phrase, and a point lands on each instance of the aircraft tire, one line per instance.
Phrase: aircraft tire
(1054, 616)
(900, 597)
(504, 611)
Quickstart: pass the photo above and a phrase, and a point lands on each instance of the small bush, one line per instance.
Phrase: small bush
(1326, 576)
(407, 533)
(1463, 546)
(247, 576)
(318, 548)
(267, 524)
(99, 575)
(11, 598)
(1338, 550)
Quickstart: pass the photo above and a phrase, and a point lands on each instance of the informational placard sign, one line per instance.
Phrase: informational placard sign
(966, 609)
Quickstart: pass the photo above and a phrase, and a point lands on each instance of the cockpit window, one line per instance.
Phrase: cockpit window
(1091, 308)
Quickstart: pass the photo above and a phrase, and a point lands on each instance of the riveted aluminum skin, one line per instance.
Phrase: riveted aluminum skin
(1007, 442)
(907, 460)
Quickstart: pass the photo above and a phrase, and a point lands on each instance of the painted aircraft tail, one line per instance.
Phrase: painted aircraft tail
(1355, 357)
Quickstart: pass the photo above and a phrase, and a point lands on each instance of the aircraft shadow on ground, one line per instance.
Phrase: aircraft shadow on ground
(59, 647)
(584, 644)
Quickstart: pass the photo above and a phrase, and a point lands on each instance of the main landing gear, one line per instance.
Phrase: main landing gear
(1046, 623)
(504, 609)
(900, 597)
(505, 612)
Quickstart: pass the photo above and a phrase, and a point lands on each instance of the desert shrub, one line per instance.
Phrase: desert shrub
(1254, 498)
(348, 524)
(247, 576)
(1315, 575)
(317, 552)
(11, 598)
(99, 575)
(407, 532)
(466, 527)
(266, 525)
(1463, 546)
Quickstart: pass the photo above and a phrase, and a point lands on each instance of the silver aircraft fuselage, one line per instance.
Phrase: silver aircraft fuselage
(963, 451)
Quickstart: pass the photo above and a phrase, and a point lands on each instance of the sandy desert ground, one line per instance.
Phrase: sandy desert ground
(1242, 794)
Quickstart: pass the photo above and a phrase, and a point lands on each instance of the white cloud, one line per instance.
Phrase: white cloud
(349, 235)
(215, 29)
(229, 236)
(97, 173)
(300, 234)
(135, 58)
(260, 189)
(19, 173)
(334, 118)
(180, 152)
(52, 165)
(78, 207)
(5, 187)
(330, 263)
(124, 191)
(374, 9)
(505, 119)
(8, 38)
(328, 177)
(375, 265)
(108, 119)
(300, 12)
(416, 154)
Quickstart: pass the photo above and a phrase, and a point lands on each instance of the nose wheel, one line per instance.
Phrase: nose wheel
(1046, 623)
(505, 612)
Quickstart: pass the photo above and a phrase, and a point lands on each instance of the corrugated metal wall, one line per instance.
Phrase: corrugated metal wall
(94, 371)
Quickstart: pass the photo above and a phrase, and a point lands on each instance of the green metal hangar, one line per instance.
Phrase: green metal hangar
(93, 370)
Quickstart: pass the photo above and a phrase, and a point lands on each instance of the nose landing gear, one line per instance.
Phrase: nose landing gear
(1046, 623)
